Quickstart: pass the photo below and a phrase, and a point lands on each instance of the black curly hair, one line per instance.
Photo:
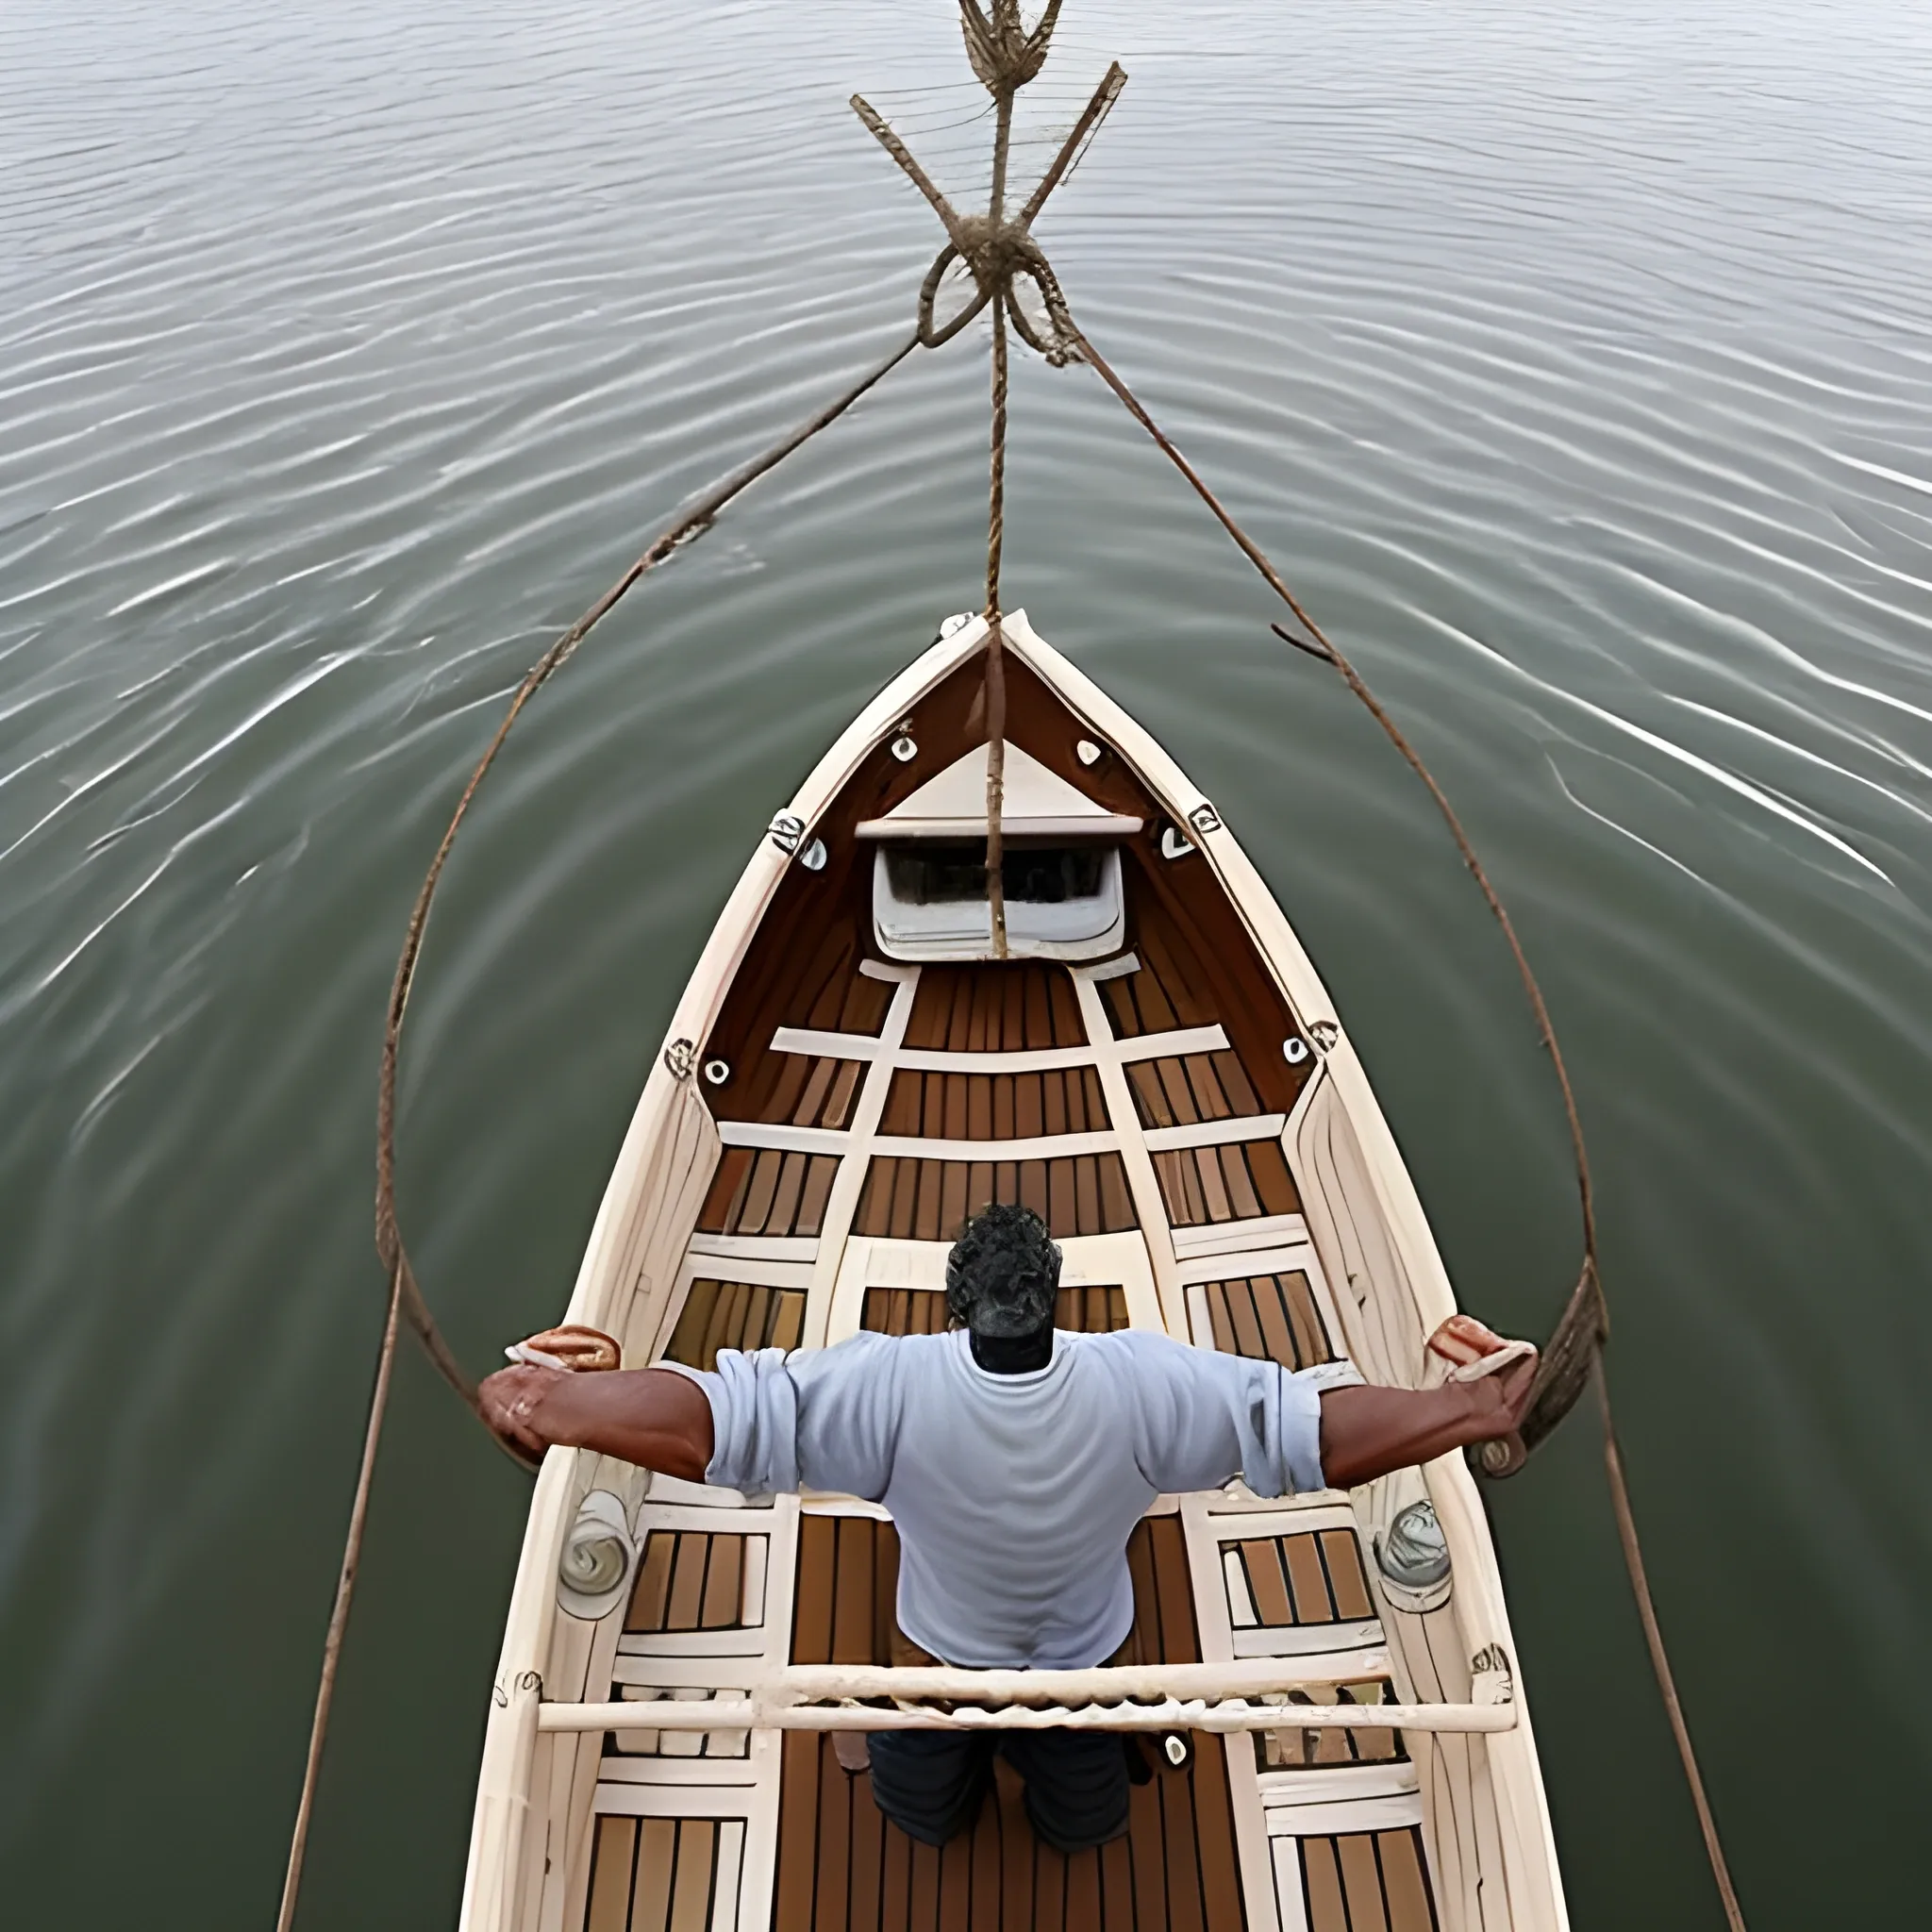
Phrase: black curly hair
(1003, 1273)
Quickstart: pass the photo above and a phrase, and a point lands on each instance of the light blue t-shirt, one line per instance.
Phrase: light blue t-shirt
(1014, 1495)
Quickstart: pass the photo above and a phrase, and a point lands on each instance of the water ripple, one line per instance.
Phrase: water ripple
(1571, 362)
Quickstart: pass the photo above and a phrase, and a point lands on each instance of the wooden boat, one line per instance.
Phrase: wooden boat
(1160, 1071)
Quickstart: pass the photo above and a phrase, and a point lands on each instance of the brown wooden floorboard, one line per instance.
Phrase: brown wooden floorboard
(1271, 1317)
(922, 1311)
(656, 1875)
(1083, 1194)
(734, 1314)
(841, 1868)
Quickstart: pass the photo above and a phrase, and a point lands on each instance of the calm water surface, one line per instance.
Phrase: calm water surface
(1573, 364)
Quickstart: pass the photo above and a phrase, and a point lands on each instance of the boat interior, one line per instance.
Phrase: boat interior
(1136, 1074)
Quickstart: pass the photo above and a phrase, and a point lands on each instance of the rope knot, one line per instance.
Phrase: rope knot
(997, 248)
(998, 256)
(1003, 55)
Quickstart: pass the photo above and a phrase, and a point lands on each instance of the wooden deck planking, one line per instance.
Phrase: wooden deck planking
(991, 1106)
(843, 1868)
(906, 1198)
(658, 1874)
(922, 1311)
(1184, 1090)
(769, 1191)
(994, 1009)
(1269, 1317)
(1367, 1882)
(822, 989)
(734, 1314)
(1240, 1181)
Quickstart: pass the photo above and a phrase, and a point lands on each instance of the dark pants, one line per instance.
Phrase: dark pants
(930, 1782)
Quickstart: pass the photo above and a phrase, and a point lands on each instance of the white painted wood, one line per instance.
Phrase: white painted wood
(1167, 1714)
(672, 1488)
(1309, 1640)
(676, 1672)
(1274, 1515)
(754, 1247)
(759, 1270)
(1290, 1258)
(1241, 1605)
(1394, 1813)
(1323, 1783)
(491, 1886)
(1289, 1900)
(1149, 1208)
(679, 1770)
(1237, 1237)
(1253, 1127)
(689, 1643)
(1113, 969)
(1047, 1147)
(750, 1593)
(821, 1503)
(674, 1801)
(1036, 802)
(1040, 1148)
(846, 1315)
(783, 1135)
(843, 1202)
(1170, 1045)
(729, 1876)
(1109, 1261)
(903, 1263)
(820, 1044)
(1018, 1059)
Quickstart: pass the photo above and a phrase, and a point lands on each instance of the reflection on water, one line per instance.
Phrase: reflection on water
(1571, 365)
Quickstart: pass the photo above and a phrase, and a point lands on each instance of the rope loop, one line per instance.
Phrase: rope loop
(997, 259)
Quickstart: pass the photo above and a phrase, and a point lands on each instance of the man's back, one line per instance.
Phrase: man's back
(1014, 1493)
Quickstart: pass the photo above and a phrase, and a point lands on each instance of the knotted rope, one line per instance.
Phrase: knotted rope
(998, 251)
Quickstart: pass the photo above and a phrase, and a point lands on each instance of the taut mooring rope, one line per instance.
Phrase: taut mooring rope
(995, 652)
(405, 1303)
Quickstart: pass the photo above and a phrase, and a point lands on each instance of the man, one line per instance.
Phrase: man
(1015, 1461)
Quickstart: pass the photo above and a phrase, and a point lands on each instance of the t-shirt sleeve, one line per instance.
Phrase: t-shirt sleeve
(817, 1418)
(1205, 1418)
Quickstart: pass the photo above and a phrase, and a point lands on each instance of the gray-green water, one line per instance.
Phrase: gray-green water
(1572, 361)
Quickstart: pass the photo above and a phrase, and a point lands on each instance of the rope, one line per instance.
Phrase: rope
(995, 653)
(405, 1303)
(339, 1614)
(1576, 1350)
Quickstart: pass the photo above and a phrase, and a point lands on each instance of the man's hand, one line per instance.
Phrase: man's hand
(1367, 1432)
(655, 1418)
(511, 1399)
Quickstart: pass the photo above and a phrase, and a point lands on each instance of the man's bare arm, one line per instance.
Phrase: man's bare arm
(1367, 1432)
(655, 1418)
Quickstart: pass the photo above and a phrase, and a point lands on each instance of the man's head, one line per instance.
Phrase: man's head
(1003, 1274)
